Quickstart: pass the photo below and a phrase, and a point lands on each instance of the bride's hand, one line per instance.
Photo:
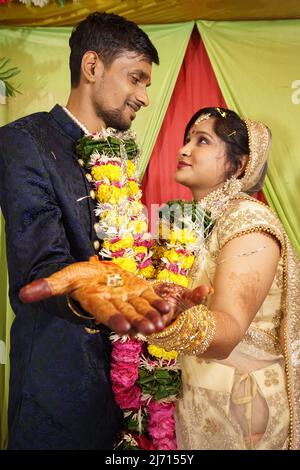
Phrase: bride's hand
(180, 298)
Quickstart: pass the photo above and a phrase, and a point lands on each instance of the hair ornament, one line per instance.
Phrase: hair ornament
(202, 117)
(223, 113)
(231, 133)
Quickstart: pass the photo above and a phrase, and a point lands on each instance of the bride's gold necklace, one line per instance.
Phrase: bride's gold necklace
(217, 201)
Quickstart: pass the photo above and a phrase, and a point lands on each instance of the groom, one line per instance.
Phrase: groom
(60, 393)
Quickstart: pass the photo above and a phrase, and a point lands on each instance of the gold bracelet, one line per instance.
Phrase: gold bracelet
(202, 346)
(191, 333)
(72, 308)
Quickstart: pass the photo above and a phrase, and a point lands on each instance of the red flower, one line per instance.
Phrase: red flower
(144, 443)
(161, 425)
(128, 398)
(124, 374)
(127, 352)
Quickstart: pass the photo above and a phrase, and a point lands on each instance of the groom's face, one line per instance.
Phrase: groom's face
(121, 89)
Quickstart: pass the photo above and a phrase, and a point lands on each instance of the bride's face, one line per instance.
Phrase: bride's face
(202, 161)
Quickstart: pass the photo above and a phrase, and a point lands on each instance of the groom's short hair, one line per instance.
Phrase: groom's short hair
(108, 35)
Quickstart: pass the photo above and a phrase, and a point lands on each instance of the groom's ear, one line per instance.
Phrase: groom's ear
(91, 67)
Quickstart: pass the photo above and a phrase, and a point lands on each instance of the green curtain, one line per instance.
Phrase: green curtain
(258, 70)
(42, 56)
(6, 318)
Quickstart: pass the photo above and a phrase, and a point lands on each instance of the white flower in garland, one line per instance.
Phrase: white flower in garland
(36, 3)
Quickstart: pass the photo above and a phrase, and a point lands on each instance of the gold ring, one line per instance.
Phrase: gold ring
(114, 280)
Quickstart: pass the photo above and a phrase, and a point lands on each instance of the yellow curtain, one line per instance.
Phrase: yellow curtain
(257, 67)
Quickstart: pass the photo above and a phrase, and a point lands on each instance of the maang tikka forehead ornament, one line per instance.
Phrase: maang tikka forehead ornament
(205, 116)
(202, 117)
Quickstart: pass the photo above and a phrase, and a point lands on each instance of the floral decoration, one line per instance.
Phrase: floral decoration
(145, 388)
(183, 227)
(111, 158)
(40, 3)
(145, 379)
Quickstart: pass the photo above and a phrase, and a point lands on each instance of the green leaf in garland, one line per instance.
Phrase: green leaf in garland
(159, 383)
(110, 146)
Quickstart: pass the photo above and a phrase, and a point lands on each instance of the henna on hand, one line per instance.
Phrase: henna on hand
(130, 304)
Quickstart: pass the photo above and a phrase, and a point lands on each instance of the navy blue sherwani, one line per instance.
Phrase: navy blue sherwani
(60, 393)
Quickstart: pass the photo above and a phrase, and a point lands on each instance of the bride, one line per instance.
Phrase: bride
(240, 362)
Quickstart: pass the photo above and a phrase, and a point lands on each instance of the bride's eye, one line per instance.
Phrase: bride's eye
(202, 140)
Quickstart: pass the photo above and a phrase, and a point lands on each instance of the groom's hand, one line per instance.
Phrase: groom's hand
(114, 297)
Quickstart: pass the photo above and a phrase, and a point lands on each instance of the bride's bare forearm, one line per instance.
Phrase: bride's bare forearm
(228, 334)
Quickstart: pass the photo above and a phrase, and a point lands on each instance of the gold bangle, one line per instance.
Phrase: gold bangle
(72, 308)
(191, 333)
(202, 346)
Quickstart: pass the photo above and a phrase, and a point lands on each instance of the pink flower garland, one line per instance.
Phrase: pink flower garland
(161, 425)
(124, 373)
(126, 358)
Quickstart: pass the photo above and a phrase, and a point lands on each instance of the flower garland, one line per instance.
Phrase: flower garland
(145, 379)
(111, 157)
(36, 3)
(145, 388)
(41, 3)
(183, 227)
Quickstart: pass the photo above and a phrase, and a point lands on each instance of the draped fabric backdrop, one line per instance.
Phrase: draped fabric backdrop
(255, 67)
(195, 88)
